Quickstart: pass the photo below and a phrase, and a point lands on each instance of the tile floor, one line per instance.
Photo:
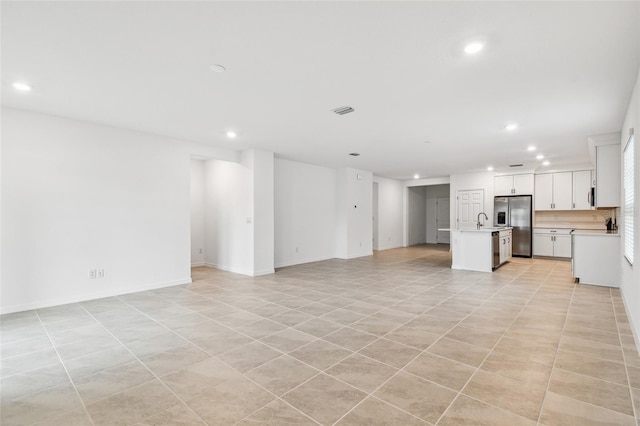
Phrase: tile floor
(394, 338)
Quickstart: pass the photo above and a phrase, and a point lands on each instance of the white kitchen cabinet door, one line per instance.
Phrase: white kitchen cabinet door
(523, 184)
(503, 185)
(563, 191)
(562, 246)
(582, 190)
(544, 192)
(608, 175)
(542, 245)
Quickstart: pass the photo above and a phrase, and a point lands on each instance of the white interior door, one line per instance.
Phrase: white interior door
(442, 220)
(470, 203)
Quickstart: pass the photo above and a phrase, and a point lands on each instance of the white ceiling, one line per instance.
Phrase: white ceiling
(562, 70)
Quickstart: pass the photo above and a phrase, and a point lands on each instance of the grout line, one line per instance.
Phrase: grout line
(65, 370)
(624, 357)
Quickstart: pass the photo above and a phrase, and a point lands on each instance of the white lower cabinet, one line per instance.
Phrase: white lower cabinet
(552, 242)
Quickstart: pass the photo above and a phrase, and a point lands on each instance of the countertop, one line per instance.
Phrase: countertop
(602, 232)
(486, 229)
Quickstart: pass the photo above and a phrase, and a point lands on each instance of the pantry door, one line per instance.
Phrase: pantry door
(470, 203)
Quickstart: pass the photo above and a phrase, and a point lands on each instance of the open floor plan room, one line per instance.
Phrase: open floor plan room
(393, 338)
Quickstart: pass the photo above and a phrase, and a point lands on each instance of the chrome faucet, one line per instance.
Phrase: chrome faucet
(485, 218)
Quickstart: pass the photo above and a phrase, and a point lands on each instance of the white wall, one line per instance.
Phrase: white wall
(630, 286)
(417, 215)
(390, 214)
(229, 216)
(197, 213)
(261, 164)
(78, 196)
(354, 213)
(305, 213)
(470, 181)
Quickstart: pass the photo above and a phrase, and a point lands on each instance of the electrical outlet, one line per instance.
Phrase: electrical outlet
(297, 250)
(93, 273)
(200, 251)
(100, 273)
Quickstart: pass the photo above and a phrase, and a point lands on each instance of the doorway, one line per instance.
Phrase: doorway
(428, 209)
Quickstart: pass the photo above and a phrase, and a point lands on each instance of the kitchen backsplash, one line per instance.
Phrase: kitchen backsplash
(575, 219)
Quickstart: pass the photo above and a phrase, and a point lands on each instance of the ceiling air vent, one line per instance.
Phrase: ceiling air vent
(354, 154)
(515, 165)
(343, 110)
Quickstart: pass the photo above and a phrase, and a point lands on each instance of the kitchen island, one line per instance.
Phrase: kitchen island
(483, 249)
(596, 257)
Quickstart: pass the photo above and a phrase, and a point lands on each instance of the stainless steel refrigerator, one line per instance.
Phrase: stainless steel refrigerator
(516, 211)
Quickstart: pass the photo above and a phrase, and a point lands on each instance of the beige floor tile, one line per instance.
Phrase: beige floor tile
(132, 405)
(459, 351)
(468, 411)
(594, 391)
(320, 354)
(362, 372)
(443, 371)
(277, 413)
(414, 336)
(199, 377)
(77, 417)
(229, 402)
(40, 406)
(389, 352)
(288, 340)
(419, 397)
(20, 385)
(525, 371)
(373, 411)
(408, 296)
(318, 327)
(114, 380)
(561, 410)
(350, 338)
(178, 415)
(324, 398)
(172, 360)
(281, 375)
(506, 393)
(473, 337)
(594, 367)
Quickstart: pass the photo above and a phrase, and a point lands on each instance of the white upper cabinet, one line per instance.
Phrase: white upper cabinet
(608, 175)
(582, 190)
(513, 185)
(554, 191)
(544, 192)
(563, 191)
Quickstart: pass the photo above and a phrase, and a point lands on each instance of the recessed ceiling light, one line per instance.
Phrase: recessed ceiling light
(539, 157)
(231, 135)
(474, 47)
(217, 68)
(23, 87)
(511, 127)
(416, 176)
(546, 163)
(531, 148)
(490, 168)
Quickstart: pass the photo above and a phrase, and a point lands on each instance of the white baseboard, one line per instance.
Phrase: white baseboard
(238, 270)
(635, 333)
(39, 304)
(197, 264)
(292, 262)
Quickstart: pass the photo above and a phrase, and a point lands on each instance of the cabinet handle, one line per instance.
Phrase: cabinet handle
(574, 205)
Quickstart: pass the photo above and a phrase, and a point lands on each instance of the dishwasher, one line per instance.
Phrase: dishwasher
(495, 245)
